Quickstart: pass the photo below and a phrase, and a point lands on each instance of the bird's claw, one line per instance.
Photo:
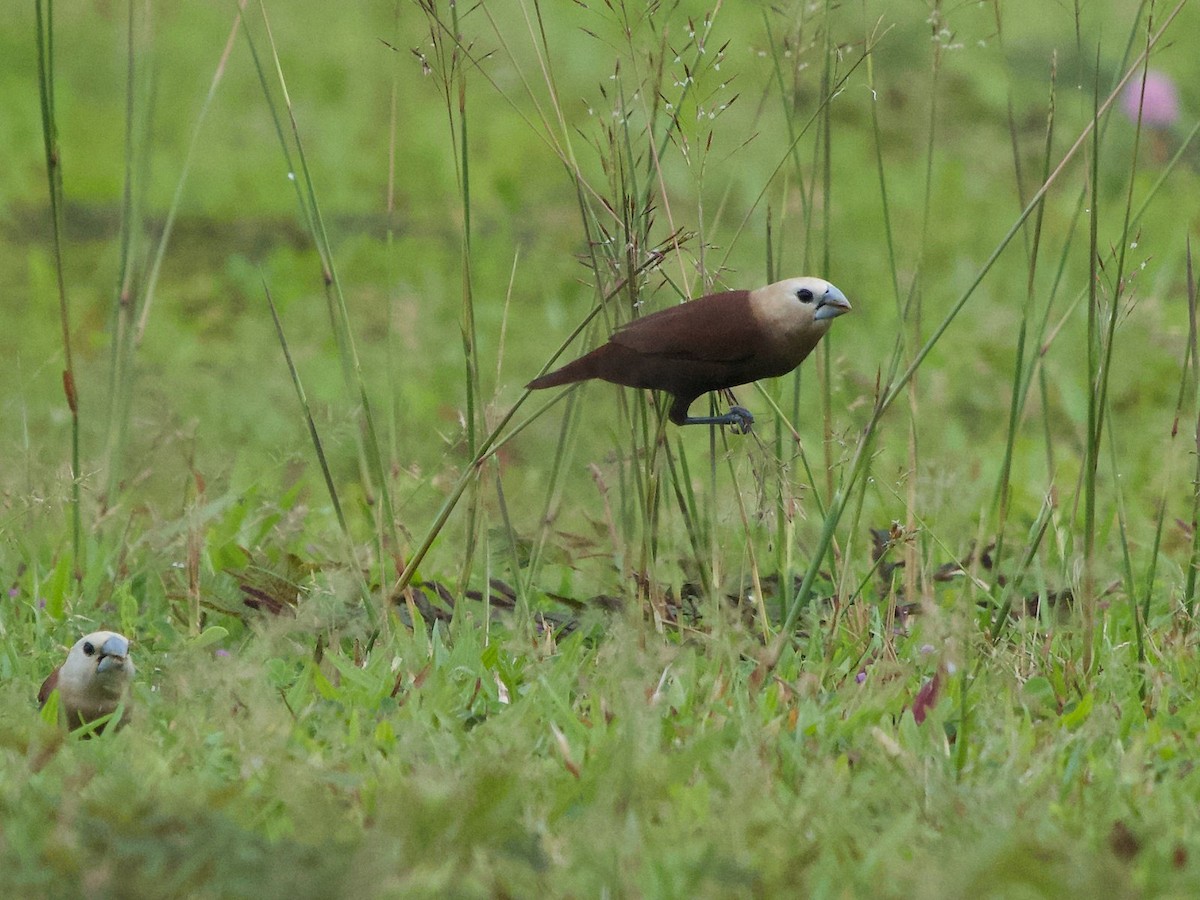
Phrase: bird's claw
(741, 420)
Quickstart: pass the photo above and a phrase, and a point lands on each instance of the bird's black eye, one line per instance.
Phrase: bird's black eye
(805, 295)
(88, 648)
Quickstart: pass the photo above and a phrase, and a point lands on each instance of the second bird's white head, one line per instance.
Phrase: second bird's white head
(98, 669)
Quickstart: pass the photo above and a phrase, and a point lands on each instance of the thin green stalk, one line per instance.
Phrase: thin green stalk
(1100, 346)
(1123, 245)
(825, 357)
(1094, 347)
(1141, 615)
(319, 449)
(44, 15)
(1189, 591)
(371, 463)
(1131, 589)
(456, 74)
(885, 208)
(176, 198)
(911, 320)
(783, 480)
(390, 266)
(788, 111)
(121, 375)
(1023, 369)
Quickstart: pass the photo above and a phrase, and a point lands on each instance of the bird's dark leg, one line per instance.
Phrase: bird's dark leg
(738, 417)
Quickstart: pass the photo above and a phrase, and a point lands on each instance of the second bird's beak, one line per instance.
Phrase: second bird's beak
(833, 304)
(113, 653)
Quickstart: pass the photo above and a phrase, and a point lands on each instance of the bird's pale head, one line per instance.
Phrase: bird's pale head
(816, 294)
(97, 671)
(796, 312)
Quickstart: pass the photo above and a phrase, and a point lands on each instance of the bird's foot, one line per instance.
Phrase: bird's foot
(738, 418)
(741, 419)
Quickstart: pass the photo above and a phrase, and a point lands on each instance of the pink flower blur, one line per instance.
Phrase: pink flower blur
(1160, 105)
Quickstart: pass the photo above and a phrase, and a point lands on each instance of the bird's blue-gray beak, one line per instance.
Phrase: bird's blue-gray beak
(113, 653)
(833, 303)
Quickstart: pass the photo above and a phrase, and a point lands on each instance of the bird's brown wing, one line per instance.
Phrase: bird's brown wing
(48, 687)
(716, 328)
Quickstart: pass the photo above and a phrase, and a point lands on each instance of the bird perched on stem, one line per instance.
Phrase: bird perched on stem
(93, 681)
(711, 344)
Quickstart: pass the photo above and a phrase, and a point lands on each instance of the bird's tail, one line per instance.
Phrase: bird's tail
(579, 370)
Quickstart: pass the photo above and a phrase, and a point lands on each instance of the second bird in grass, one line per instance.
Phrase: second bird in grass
(711, 344)
(93, 681)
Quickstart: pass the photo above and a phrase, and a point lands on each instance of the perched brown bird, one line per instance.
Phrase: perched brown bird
(94, 680)
(711, 344)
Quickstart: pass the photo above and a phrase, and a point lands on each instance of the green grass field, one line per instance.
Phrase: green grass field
(405, 629)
